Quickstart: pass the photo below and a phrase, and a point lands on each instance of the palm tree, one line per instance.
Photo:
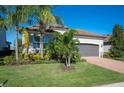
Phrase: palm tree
(69, 45)
(17, 15)
(45, 19)
(64, 47)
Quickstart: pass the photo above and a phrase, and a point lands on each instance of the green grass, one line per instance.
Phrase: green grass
(32, 75)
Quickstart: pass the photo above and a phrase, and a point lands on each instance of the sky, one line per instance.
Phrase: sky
(97, 19)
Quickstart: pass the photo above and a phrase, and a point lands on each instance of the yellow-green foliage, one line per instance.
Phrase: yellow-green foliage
(20, 58)
(8, 60)
(37, 56)
(26, 57)
(25, 35)
(34, 57)
(47, 56)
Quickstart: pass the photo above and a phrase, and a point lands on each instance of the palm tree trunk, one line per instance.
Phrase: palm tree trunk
(69, 58)
(66, 62)
(16, 46)
(41, 45)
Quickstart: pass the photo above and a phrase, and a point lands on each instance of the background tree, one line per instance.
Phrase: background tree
(2, 18)
(117, 41)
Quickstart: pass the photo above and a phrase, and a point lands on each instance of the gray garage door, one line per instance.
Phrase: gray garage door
(88, 50)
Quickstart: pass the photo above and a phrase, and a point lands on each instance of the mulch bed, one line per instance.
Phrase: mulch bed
(65, 68)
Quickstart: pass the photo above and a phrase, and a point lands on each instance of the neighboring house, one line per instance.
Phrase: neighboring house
(107, 45)
(91, 44)
(3, 43)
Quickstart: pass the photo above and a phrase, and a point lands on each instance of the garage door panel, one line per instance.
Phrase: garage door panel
(88, 50)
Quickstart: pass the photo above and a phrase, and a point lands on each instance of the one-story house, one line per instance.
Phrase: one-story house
(91, 44)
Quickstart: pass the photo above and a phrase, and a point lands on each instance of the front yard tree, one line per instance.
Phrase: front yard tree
(69, 44)
(20, 14)
(17, 15)
(45, 19)
(64, 47)
(117, 41)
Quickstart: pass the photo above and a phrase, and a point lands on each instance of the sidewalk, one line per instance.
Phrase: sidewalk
(121, 84)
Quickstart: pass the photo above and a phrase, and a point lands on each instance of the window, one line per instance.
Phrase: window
(47, 38)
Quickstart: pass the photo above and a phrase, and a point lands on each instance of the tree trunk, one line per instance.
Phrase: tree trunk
(69, 61)
(66, 62)
(16, 45)
(41, 45)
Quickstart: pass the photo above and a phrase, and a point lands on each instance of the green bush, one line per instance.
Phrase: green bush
(1, 61)
(120, 58)
(31, 57)
(9, 60)
(76, 57)
(108, 54)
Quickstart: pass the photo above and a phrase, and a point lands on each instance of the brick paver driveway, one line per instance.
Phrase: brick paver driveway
(107, 63)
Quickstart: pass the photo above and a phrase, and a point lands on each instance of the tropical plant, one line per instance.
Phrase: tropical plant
(69, 46)
(55, 48)
(47, 56)
(44, 19)
(17, 15)
(25, 40)
(64, 47)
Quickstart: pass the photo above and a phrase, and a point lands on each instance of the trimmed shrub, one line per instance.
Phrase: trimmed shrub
(34, 57)
(37, 56)
(108, 54)
(9, 60)
(1, 61)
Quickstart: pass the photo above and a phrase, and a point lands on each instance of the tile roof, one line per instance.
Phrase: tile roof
(86, 33)
(36, 28)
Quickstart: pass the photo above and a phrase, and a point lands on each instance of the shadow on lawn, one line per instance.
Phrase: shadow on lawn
(2, 83)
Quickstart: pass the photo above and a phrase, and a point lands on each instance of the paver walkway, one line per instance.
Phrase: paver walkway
(106, 63)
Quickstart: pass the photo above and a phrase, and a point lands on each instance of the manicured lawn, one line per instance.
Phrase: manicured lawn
(84, 74)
